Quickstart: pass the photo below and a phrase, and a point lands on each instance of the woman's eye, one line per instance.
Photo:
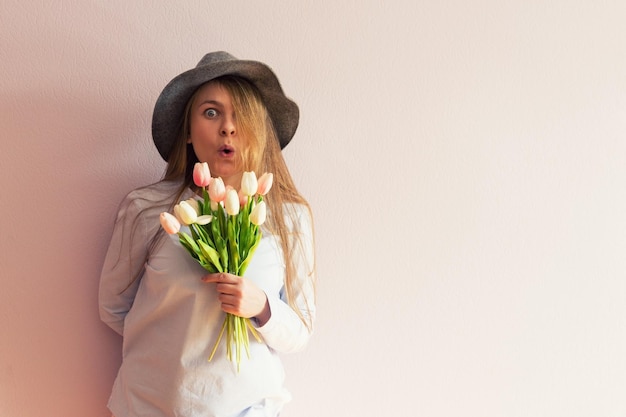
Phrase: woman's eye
(210, 113)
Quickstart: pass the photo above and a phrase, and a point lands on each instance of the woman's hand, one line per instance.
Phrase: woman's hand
(240, 297)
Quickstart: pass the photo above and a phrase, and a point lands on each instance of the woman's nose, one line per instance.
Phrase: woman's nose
(228, 127)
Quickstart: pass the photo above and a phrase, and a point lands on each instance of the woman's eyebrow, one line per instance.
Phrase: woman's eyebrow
(213, 102)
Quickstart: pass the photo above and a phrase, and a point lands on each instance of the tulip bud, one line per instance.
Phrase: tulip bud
(201, 174)
(217, 190)
(177, 213)
(195, 204)
(265, 183)
(258, 214)
(232, 202)
(249, 183)
(169, 223)
(187, 214)
(243, 198)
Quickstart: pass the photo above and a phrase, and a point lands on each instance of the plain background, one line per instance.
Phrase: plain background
(465, 161)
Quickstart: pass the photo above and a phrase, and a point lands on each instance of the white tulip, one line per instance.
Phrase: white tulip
(232, 202)
(258, 214)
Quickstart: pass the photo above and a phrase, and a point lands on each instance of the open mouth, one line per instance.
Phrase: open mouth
(226, 151)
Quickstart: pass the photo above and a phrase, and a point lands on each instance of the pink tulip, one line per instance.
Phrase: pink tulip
(169, 223)
(265, 183)
(243, 198)
(201, 174)
(249, 183)
(258, 214)
(217, 190)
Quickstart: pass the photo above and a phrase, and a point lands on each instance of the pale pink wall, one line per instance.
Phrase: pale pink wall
(466, 162)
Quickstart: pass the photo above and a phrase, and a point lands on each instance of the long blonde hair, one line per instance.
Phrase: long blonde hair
(262, 154)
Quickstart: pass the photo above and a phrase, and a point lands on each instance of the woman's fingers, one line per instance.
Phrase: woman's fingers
(237, 295)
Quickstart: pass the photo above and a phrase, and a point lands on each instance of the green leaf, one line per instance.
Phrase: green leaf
(220, 246)
(196, 231)
(188, 243)
(222, 217)
(207, 202)
(200, 207)
(208, 266)
(203, 233)
(246, 261)
(212, 255)
(232, 237)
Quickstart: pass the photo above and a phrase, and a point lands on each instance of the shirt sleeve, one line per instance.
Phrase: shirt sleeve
(285, 332)
(123, 265)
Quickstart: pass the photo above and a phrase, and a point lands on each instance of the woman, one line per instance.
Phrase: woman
(233, 115)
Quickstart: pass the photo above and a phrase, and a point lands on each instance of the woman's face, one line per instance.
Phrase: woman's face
(213, 133)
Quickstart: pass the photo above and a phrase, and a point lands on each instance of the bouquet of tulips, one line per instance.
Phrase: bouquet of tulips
(225, 232)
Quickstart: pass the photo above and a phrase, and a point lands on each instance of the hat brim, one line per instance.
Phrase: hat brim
(170, 106)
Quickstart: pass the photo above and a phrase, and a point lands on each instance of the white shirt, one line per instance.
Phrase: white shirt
(170, 321)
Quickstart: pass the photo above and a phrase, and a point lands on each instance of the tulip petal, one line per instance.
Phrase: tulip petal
(201, 174)
(265, 183)
(232, 202)
(195, 204)
(249, 183)
(217, 190)
(187, 213)
(259, 213)
(170, 224)
(204, 219)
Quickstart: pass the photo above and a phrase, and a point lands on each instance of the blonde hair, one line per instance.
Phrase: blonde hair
(261, 154)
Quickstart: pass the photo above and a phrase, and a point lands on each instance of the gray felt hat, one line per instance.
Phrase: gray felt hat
(170, 106)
